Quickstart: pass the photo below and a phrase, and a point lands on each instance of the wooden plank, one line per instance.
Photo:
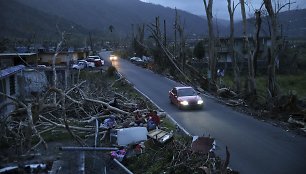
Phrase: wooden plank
(154, 132)
(161, 134)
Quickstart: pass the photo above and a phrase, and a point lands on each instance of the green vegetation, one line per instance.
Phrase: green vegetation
(294, 83)
(199, 50)
(287, 84)
(168, 124)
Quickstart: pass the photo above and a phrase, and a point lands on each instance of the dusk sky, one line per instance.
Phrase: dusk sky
(219, 6)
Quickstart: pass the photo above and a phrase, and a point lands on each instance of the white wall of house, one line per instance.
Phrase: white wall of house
(47, 58)
(34, 82)
(61, 58)
(10, 87)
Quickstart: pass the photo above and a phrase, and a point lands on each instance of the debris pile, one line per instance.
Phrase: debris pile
(99, 115)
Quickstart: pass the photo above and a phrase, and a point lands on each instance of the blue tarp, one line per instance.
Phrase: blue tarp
(11, 70)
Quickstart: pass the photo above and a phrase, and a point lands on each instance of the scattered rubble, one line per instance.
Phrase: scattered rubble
(285, 111)
(96, 118)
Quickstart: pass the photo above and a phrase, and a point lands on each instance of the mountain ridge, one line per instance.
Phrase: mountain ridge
(99, 15)
(41, 17)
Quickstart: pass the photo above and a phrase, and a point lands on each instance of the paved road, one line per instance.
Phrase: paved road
(255, 146)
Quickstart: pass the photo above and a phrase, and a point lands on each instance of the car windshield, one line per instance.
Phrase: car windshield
(186, 92)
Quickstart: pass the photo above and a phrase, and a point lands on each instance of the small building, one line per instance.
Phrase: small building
(62, 58)
(14, 59)
(12, 66)
(9, 85)
(224, 55)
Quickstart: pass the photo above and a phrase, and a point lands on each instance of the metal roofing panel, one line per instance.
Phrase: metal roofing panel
(16, 54)
(11, 70)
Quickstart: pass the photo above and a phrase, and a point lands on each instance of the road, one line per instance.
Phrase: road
(256, 147)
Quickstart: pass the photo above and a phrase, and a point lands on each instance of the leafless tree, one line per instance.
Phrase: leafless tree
(251, 85)
(156, 34)
(256, 39)
(57, 51)
(231, 9)
(276, 45)
(178, 27)
(212, 59)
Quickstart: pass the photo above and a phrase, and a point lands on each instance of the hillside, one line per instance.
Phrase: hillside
(293, 24)
(99, 15)
(39, 18)
(20, 21)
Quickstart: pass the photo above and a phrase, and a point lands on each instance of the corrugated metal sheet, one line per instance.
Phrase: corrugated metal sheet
(11, 70)
(16, 54)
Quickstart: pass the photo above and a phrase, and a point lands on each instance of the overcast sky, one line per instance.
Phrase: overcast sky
(219, 6)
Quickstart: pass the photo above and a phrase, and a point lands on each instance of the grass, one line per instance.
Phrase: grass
(168, 124)
(287, 84)
(294, 83)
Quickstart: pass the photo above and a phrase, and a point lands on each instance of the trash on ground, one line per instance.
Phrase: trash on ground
(203, 144)
(160, 135)
(118, 154)
(130, 135)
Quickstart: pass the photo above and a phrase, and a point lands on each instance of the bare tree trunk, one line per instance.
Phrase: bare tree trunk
(256, 40)
(64, 117)
(166, 51)
(31, 126)
(182, 55)
(165, 34)
(231, 10)
(58, 49)
(272, 88)
(175, 33)
(251, 79)
(158, 58)
(212, 59)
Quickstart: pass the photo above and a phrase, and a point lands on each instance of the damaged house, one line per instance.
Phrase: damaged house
(24, 74)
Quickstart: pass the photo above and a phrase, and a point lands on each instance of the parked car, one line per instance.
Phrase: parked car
(79, 65)
(96, 62)
(88, 64)
(147, 59)
(41, 66)
(132, 59)
(99, 61)
(138, 61)
(185, 97)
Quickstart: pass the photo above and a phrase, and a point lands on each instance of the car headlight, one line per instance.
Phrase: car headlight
(184, 103)
(200, 102)
(113, 58)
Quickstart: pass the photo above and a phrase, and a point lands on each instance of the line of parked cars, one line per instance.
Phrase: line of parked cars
(89, 62)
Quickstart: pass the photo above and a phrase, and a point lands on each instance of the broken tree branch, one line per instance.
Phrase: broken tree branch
(107, 105)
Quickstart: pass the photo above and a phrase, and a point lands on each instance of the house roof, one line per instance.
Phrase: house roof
(10, 70)
(16, 54)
